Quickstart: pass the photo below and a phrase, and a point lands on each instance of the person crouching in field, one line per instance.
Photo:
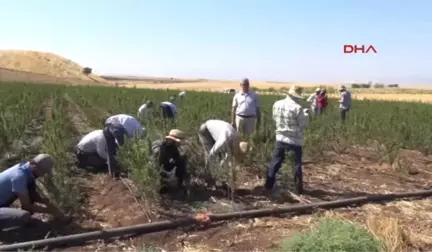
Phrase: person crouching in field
(130, 124)
(220, 139)
(145, 110)
(291, 119)
(19, 182)
(98, 149)
(313, 101)
(168, 108)
(168, 157)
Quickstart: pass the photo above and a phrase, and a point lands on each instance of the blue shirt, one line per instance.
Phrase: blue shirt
(14, 180)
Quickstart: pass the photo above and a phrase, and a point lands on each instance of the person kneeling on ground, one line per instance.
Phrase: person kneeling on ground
(220, 139)
(169, 109)
(168, 157)
(130, 124)
(19, 182)
(98, 149)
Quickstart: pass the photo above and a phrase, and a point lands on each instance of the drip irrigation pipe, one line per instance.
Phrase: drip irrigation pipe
(189, 221)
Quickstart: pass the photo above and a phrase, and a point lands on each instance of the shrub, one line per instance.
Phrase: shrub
(332, 235)
(87, 70)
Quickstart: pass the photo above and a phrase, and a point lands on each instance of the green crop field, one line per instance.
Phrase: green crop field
(383, 147)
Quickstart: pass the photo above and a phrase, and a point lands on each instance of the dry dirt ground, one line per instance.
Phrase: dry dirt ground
(107, 203)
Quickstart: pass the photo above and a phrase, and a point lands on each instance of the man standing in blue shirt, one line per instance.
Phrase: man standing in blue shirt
(19, 182)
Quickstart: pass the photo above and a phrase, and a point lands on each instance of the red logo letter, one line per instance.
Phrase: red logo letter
(348, 48)
(372, 48)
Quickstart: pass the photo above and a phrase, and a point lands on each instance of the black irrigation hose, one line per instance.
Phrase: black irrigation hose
(165, 225)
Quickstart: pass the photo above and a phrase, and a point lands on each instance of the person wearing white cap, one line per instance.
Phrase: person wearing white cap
(19, 182)
(173, 163)
(245, 111)
(220, 139)
(312, 99)
(291, 119)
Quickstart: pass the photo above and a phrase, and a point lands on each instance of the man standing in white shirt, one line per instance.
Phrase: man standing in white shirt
(169, 109)
(313, 101)
(245, 113)
(291, 119)
(220, 139)
(145, 110)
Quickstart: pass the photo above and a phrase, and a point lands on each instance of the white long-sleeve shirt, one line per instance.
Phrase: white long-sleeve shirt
(94, 142)
(222, 132)
(144, 111)
(129, 123)
(291, 119)
(312, 100)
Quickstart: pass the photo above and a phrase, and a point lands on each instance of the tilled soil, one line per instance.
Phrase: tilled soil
(110, 203)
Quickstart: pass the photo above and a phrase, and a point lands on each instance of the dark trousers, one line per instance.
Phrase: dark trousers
(90, 160)
(114, 136)
(278, 158)
(343, 114)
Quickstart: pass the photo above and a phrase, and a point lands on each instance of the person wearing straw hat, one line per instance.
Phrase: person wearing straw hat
(291, 119)
(345, 102)
(312, 99)
(19, 182)
(168, 156)
(220, 139)
(145, 110)
(245, 112)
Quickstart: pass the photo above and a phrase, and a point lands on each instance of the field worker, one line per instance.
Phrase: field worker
(220, 139)
(169, 109)
(145, 110)
(130, 124)
(19, 182)
(322, 101)
(345, 102)
(182, 94)
(169, 158)
(313, 101)
(291, 119)
(245, 113)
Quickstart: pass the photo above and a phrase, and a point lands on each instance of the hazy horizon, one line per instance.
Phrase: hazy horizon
(274, 40)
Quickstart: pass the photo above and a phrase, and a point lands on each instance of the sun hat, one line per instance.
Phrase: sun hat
(295, 91)
(318, 90)
(44, 163)
(176, 135)
(342, 88)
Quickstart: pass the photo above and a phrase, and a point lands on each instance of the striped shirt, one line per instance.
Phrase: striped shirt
(291, 119)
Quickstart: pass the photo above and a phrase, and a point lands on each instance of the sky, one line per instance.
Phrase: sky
(267, 40)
